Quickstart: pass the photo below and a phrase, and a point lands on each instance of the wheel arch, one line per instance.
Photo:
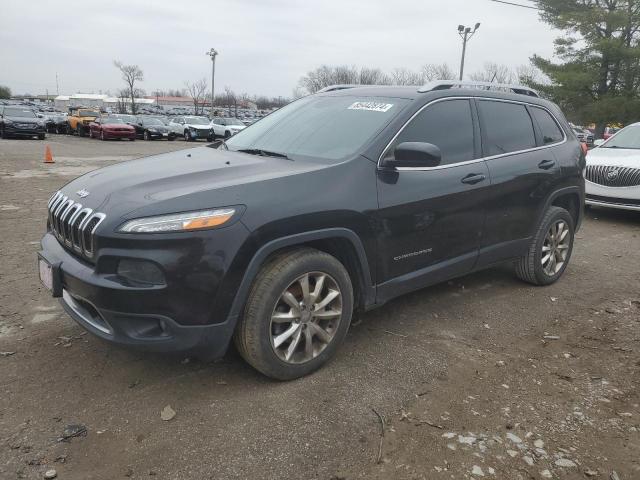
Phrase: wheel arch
(341, 243)
(569, 198)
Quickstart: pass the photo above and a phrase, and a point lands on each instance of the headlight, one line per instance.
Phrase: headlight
(153, 130)
(179, 222)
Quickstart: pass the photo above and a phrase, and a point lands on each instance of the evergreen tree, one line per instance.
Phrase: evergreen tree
(598, 79)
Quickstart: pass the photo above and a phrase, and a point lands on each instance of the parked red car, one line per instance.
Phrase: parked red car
(105, 128)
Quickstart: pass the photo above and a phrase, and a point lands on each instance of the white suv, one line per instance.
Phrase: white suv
(192, 128)
(226, 126)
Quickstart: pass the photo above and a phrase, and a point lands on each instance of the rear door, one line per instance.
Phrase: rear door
(432, 218)
(515, 139)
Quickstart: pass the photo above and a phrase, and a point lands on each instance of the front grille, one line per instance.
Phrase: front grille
(611, 176)
(73, 225)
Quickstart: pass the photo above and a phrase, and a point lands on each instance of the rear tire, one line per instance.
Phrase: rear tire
(550, 249)
(317, 322)
(81, 132)
(102, 136)
(41, 136)
(146, 136)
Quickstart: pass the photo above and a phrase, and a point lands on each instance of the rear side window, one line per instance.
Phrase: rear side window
(447, 125)
(550, 130)
(507, 127)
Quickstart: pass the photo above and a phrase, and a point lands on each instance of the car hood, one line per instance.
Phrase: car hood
(198, 127)
(617, 157)
(118, 125)
(24, 119)
(185, 180)
(236, 127)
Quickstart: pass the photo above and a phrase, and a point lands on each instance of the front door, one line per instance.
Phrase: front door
(431, 219)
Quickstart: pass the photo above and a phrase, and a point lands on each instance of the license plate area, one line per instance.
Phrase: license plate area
(49, 273)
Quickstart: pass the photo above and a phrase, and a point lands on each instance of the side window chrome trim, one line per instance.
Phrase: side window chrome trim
(475, 160)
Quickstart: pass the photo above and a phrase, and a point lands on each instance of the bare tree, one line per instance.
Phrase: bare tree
(432, 72)
(198, 93)
(493, 72)
(121, 104)
(404, 76)
(231, 99)
(130, 74)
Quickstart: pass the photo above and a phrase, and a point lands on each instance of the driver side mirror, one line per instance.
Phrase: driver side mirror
(414, 155)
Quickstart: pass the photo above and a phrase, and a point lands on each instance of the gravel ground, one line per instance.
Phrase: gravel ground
(482, 377)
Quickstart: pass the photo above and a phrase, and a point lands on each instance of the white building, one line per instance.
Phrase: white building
(93, 100)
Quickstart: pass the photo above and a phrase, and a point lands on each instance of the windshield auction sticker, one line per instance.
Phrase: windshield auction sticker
(371, 106)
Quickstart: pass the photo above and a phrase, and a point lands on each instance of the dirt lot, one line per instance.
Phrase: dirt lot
(460, 375)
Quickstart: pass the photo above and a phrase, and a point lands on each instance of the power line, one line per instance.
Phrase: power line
(516, 4)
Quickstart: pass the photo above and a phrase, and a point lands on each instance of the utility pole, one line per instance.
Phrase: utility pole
(212, 53)
(465, 33)
(57, 87)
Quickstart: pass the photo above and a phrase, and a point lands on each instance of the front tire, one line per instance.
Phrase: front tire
(550, 249)
(187, 136)
(102, 136)
(81, 131)
(146, 136)
(41, 136)
(297, 314)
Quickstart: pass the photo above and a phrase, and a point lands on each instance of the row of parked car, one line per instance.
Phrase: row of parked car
(155, 127)
(23, 121)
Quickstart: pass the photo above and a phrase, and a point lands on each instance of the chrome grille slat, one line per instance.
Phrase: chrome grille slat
(626, 176)
(68, 221)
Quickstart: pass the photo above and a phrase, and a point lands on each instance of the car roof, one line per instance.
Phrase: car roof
(413, 93)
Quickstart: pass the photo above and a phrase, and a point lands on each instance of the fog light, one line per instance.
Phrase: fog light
(140, 272)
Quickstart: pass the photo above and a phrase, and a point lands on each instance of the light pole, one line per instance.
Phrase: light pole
(212, 53)
(465, 33)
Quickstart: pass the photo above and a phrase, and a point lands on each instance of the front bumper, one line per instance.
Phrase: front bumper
(127, 315)
(200, 133)
(624, 198)
(30, 131)
(119, 134)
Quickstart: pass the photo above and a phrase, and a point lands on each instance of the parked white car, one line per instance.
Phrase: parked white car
(226, 126)
(613, 171)
(192, 128)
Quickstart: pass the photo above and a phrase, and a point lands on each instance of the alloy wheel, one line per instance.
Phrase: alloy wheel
(306, 317)
(555, 247)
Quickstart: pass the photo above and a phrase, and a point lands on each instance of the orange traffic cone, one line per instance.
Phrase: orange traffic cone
(48, 158)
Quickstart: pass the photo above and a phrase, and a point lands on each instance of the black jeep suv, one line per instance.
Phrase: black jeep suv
(339, 201)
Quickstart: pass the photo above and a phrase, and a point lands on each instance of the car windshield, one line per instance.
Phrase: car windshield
(626, 138)
(327, 127)
(233, 121)
(197, 120)
(87, 114)
(112, 120)
(152, 121)
(19, 112)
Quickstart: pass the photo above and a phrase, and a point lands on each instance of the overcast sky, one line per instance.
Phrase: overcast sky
(265, 45)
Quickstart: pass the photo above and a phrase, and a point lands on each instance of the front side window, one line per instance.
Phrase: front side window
(447, 125)
(549, 129)
(507, 127)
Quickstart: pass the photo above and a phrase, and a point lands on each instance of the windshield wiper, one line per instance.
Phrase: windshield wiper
(262, 153)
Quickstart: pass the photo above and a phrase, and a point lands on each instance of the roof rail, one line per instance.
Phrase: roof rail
(447, 84)
(332, 88)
